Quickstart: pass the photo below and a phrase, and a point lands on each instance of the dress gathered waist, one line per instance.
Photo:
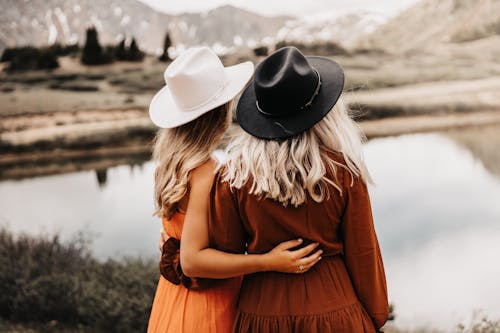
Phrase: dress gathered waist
(324, 288)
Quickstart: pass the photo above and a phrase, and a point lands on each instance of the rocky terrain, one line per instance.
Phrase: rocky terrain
(431, 24)
(345, 29)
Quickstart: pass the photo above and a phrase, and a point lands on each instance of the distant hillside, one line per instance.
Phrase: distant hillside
(430, 22)
(40, 22)
(226, 26)
(345, 29)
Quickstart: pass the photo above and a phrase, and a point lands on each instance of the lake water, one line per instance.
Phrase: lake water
(436, 205)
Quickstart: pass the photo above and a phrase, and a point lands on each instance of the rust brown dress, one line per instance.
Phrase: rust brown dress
(344, 292)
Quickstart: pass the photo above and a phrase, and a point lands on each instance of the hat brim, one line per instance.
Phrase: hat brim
(165, 113)
(259, 125)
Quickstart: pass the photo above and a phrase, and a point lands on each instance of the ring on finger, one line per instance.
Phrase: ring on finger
(301, 268)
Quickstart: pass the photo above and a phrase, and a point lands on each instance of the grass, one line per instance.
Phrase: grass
(476, 325)
(51, 285)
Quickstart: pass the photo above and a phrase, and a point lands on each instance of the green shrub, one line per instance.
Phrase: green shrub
(317, 48)
(44, 280)
(30, 58)
(65, 50)
(47, 59)
(8, 54)
(480, 325)
(55, 50)
(75, 86)
(261, 51)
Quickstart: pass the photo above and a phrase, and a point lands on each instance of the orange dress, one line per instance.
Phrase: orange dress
(178, 309)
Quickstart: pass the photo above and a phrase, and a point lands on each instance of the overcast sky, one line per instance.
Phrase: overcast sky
(287, 7)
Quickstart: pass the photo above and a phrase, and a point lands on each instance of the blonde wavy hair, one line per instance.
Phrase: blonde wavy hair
(288, 170)
(180, 150)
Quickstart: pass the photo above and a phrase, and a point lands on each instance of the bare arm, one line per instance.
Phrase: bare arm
(198, 260)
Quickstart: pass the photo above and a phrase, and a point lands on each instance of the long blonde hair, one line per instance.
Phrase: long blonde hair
(288, 170)
(180, 150)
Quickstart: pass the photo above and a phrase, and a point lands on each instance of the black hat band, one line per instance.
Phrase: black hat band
(305, 106)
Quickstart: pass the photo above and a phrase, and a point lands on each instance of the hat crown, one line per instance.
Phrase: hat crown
(195, 78)
(285, 82)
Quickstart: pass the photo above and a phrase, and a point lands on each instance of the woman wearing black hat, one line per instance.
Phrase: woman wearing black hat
(297, 172)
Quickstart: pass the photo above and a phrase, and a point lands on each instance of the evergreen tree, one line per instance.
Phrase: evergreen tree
(166, 45)
(134, 53)
(121, 51)
(93, 53)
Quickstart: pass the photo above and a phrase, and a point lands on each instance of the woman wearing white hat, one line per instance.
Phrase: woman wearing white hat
(194, 111)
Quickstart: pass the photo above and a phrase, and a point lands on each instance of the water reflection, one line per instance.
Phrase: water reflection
(56, 164)
(438, 220)
(102, 176)
(435, 205)
(483, 143)
(117, 216)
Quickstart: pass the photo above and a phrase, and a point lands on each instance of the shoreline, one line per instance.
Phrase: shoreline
(92, 129)
(395, 126)
(125, 137)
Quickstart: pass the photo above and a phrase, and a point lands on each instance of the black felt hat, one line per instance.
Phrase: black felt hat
(289, 94)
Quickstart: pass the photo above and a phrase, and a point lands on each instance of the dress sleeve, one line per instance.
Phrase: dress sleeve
(226, 230)
(362, 253)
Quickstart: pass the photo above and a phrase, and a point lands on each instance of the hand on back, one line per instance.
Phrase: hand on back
(282, 259)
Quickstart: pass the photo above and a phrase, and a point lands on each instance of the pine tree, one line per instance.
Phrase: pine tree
(166, 45)
(134, 53)
(120, 51)
(93, 53)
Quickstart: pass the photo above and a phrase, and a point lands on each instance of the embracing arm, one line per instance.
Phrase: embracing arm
(199, 260)
(362, 253)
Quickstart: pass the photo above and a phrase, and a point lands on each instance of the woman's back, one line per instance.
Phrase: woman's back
(335, 293)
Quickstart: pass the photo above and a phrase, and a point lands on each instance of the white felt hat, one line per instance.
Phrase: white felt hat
(197, 82)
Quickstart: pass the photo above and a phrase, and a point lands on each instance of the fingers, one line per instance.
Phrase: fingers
(311, 261)
(304, 251)
(289, 244)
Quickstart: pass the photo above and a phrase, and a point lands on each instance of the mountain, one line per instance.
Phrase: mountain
(432, 22)
(227, 26)
(345, 29)
(40, 22)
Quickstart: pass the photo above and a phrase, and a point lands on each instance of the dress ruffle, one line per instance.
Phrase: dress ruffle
(350, 319)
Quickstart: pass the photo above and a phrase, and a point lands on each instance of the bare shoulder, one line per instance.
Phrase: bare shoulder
(203, 175)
